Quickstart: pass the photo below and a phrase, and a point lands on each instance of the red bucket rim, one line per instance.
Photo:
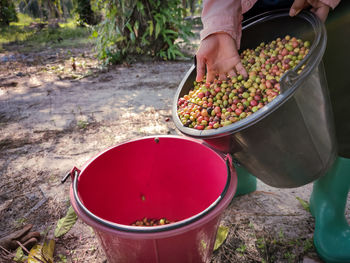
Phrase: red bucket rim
(156, 229)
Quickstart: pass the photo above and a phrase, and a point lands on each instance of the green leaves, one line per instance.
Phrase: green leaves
(140, 7)
(94, 34)
(20, 257)
(221, 236)
(65, 223)
(141, 27)
(150, 27)
(7, 12)
(158, 27)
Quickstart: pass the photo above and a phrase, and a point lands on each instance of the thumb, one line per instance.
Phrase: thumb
(297, 6)
(322, 12)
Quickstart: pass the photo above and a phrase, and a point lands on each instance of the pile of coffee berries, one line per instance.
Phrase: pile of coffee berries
(151, 222)
(223, 102)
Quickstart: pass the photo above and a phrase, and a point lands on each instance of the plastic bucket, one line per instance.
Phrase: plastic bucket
(291, 141)
(170, 177)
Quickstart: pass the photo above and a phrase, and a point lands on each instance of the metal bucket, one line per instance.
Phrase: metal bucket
(291, 141)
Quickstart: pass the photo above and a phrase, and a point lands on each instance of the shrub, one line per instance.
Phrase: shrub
(85, 13)
(7, 12)
(141, 27)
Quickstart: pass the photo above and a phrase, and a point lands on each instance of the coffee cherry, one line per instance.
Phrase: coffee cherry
(221, 103)
(151, 222)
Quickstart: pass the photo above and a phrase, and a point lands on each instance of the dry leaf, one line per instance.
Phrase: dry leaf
(42, 253)
(220, 236)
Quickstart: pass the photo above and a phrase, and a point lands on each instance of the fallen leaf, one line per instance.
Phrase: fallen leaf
(35, 255)
(220, 236)
(42, 253)
(20, 257)
(48, 250)
(66, 222)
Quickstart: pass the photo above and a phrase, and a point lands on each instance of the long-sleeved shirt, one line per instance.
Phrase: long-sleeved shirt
(227, 15)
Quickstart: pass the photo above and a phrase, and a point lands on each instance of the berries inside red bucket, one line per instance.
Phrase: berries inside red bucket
(223, 102)
(151, 222)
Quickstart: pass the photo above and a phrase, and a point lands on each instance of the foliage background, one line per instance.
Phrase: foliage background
(7, 12)
(122, 30)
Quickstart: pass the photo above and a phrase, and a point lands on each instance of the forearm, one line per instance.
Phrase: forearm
(222, 16)
(331, 3)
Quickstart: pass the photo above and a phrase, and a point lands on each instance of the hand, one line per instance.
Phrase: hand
(319, 8)
(218, 55)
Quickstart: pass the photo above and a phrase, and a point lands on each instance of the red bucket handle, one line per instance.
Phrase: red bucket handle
(73, 173)
(229, 160)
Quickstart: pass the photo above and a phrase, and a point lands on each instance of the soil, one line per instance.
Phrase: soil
(55, 115)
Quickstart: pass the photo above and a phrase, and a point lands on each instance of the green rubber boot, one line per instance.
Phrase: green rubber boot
(246, 183)
(327, 204)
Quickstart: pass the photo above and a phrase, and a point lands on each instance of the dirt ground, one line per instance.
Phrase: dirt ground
(53, 117)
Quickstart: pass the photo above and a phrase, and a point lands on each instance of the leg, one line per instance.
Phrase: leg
(328, 199)
(246, 183)
(327, 204)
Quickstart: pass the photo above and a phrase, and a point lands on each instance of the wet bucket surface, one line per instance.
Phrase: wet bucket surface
(291, 141)
(165, 177)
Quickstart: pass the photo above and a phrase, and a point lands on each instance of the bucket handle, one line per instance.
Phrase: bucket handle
(306, 65)
(229, 161)
(72, 173)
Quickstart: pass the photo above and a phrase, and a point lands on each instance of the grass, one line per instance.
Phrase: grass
(68, 34)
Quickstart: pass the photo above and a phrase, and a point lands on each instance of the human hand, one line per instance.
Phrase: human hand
(319, 8)
(219, 56)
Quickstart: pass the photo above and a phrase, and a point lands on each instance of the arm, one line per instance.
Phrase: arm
(221, 16)
(220, 39)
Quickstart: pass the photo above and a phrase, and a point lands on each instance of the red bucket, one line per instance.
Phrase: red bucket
(170, 177)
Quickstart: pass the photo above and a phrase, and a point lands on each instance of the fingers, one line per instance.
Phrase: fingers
(210, 75)
(241, 70)
(213, 63)
(319, 8)
(232, 73)
(297, 6)
(222, 76)
(200, 69)
(230, 67)
(236, 64)
(321, 12)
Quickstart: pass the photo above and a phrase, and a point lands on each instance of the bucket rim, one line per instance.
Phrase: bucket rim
(155, 229)
(313, 58)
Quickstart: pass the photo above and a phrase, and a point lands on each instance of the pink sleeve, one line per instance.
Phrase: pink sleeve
(331, 3)
(224, 16)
